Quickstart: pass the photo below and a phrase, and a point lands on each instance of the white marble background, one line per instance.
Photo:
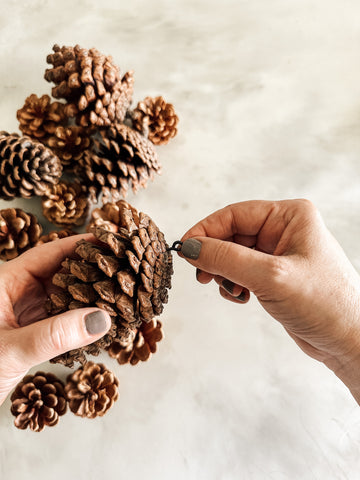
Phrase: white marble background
(268, 95)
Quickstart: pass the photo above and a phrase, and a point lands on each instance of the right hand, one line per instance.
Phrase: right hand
(296, 269)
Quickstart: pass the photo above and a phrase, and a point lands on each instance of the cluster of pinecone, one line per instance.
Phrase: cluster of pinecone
(39, 400)
(104, 148)
(91, 135)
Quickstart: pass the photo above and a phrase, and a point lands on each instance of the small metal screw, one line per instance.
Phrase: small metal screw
(176, 246)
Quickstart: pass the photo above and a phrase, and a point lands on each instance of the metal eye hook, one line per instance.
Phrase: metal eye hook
(176, 246)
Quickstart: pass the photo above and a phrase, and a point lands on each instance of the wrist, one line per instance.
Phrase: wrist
(347, 368)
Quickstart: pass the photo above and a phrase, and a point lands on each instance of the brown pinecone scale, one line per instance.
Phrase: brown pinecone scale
(121, 157)
(55, 235)
(91, 83)
(40, 117)
(19, 231)
(156, 118)
(38, 401)
(91, 390)
(140, 347)
(66, 204)
(128, 274)
(27, 167)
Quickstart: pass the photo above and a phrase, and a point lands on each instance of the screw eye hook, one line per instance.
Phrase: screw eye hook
(176, 246)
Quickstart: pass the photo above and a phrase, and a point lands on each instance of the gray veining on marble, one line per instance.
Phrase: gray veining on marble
(268, 95)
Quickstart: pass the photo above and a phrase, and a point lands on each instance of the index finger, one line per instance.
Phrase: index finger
(44, 260)
(243, 218)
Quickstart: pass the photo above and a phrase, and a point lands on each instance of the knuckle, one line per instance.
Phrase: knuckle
(306, 207)
(278, 272)
(220, 251)
(57, 339)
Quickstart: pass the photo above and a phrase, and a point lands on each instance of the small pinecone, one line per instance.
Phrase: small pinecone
(40, 117)
(128, 275)
(38, 400)
(55, 235)
(27, 167)
(157, 118)
(141, 347)
(109, 216)
(19, 231)
(91, 390)
(65, 204)
(69, 143)
(122, 157)
(91, 83)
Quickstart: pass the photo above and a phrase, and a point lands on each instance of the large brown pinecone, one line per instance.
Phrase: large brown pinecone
(156, 118)
(122, 157)
(66, 204)
(40, 117)
(128, 275)
(19, 231)
(91, 390)
(139, 348)
(69, 143)
(27, 167)
(38, 400)
(91, 83)
(55, 235)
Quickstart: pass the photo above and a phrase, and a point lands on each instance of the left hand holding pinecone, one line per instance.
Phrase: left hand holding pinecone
(27, 336)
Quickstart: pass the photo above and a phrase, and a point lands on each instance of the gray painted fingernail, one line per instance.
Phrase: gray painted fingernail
(242, 296)
(95, 322)
(191, 248)
(228, 286)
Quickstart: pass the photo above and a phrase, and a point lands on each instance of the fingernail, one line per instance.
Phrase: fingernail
(95, 322)
(228, 286)
(191, 248)
(242, 296)
(198, 272)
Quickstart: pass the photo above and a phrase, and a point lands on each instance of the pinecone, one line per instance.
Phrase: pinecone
(65, 204)
(121, 158)
(69, 143)
(27, 168)
(40, 117)
(157, 118)
(38, 400)
(91, 390)
(55, 235)
(19, 231)
(109, 216)
(127, 275)
(141, 347)
(91, 83)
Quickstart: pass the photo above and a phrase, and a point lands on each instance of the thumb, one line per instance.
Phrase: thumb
(241, 265)
(43, 340)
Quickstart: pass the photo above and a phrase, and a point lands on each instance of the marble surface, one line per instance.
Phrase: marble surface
(268, 95)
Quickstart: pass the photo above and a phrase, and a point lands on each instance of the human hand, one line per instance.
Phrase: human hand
(284, 254)
(27, 336)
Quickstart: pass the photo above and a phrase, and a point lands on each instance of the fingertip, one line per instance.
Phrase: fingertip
(97, 322)
(203, 277)
(242, 298)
